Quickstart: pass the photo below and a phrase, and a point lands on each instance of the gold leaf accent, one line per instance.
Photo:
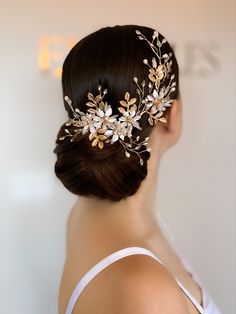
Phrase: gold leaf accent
(91, 110)
(123, 103)
(132, 101)
(90, 104)
(152, 71)
(134, 107)
(102, 137)
(122, 110)
(151, 78)
(90, 96)
(127, 96)
(94, 142)
(159, 114)
(163, 120)
(101, 131)
(150, 120)
(98, 98)
(101, 105)
(100, 145)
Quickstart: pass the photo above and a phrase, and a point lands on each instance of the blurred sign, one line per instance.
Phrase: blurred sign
(197, 59)
(52, 51)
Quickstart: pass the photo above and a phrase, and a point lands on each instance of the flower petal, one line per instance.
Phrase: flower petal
(108, 112)
(150, 98)
(133, 111)
(100, 113)
(108, 133)
(149, 105)
(137, 125)
(115, 138)
(155, 93)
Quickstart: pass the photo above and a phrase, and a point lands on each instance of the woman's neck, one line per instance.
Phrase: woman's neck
(135, 214)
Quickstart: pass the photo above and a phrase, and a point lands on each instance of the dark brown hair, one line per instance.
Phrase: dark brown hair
(111, 56)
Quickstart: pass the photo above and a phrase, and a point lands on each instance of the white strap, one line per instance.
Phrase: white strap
(109, 260)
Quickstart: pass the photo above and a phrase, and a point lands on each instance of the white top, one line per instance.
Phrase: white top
(208, 306)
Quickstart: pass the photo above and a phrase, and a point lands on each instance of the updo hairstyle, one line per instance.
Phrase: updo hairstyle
(111, 56)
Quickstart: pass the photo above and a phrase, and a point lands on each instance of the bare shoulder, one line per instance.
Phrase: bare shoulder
(146, 286)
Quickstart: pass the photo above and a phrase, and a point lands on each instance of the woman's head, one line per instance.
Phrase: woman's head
(109, 57)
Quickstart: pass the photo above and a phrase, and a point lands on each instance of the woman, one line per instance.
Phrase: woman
(121, 92)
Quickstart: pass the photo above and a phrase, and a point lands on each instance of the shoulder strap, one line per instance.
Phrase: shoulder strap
(97, 268)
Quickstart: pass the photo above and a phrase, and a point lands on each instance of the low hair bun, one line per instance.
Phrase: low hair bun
(106, 174)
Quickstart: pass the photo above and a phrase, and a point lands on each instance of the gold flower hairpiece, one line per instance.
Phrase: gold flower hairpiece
(103, 126)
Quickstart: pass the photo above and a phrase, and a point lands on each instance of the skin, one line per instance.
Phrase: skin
(96, 228)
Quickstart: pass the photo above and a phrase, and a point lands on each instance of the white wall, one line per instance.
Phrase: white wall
(198, 173)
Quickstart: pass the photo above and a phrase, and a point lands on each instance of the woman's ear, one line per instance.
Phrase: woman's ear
(173, 126)
(167, 134)
(174, 117)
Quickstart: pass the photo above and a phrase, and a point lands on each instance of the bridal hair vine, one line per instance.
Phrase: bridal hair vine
(103, 126)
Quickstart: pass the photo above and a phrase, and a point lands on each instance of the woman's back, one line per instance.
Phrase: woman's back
(86, 248)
